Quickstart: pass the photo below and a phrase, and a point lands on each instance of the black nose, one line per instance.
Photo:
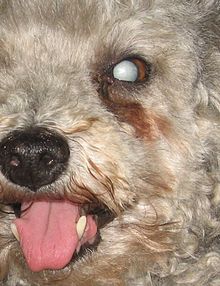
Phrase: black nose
(34, 157)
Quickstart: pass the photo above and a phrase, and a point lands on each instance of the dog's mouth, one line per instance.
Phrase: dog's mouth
(54, 233)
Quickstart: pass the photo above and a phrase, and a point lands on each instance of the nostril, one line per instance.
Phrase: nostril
(14, 161)
(33, 158)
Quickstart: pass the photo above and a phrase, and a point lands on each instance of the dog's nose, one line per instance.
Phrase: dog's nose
(33, 158)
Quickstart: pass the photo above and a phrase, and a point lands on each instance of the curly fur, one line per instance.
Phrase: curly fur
(151, 155)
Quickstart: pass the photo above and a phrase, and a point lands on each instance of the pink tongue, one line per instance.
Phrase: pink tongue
(48, 236)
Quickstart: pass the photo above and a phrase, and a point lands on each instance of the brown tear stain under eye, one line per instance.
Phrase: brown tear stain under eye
(147, 124)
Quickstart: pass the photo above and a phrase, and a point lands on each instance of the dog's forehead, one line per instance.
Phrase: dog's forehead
(74, 33)
(69, 15)
(69, 31)
(73, 10)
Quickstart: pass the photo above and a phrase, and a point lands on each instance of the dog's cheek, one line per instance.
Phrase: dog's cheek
(147, 124)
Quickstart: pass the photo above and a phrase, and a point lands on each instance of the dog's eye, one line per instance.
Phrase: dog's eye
(130, 70)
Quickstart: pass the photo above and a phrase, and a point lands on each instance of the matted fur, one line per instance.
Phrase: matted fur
(152, 156)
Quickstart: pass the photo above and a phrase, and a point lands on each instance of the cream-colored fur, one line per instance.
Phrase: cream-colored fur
(148, 152)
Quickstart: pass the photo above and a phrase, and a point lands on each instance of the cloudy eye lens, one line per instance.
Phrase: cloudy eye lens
(131, 70)
(126, 71)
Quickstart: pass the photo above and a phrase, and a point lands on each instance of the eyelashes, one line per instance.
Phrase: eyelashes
(120, 87)
(118, 80)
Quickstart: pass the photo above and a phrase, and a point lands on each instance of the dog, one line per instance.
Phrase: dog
(109, 142)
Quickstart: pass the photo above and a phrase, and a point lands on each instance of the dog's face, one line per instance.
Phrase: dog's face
(108, 139)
